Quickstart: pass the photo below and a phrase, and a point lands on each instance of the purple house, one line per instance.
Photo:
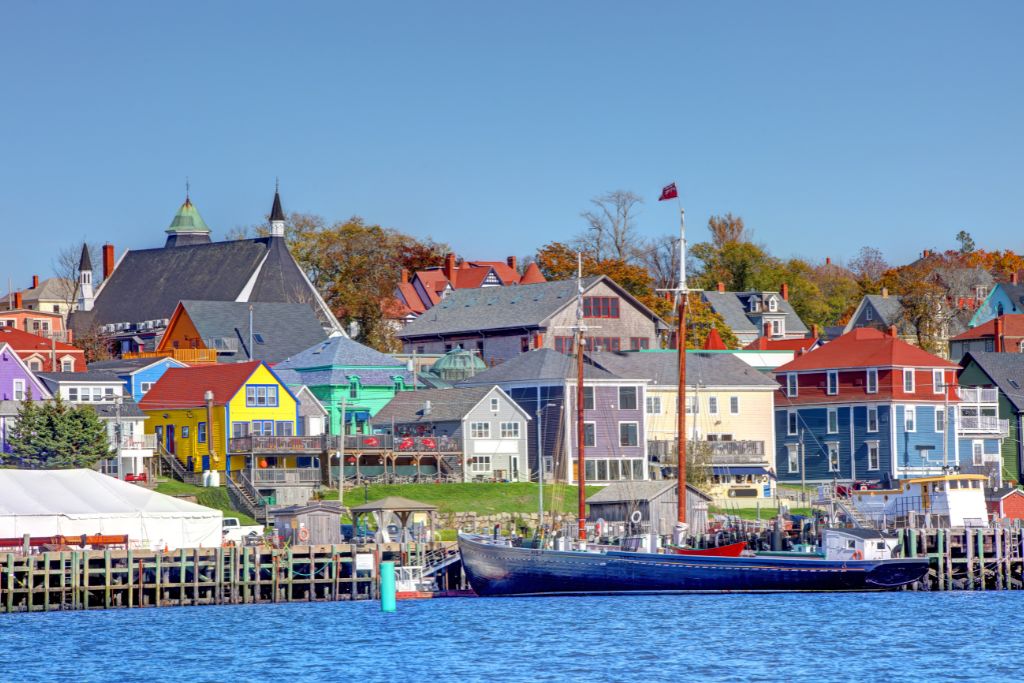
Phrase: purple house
(541, 381)
(16, 382)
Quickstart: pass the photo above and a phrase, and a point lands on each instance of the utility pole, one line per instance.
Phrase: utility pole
(118, 433)
(341, 454)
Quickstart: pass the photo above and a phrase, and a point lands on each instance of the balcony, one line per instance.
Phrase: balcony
(368, 443)
(978, 395)
(139, 442)
(984, 424)
(285, 476)
(189, 356)
(721, 452)
(276, 444)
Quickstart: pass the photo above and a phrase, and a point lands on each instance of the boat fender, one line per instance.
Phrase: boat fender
(718, 539)
(636, 517)
(303, 534)
(858, 555)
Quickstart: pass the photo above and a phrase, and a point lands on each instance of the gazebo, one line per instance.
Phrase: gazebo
(402, 508)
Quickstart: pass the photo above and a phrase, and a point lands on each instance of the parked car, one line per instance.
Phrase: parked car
(233, 530)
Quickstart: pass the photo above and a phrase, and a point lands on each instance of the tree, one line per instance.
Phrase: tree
(65, 268)
(727, 229)
(55, 435)
(868, 266)
(966, 242)
(700, 319)
(95, 345)
(611, 227)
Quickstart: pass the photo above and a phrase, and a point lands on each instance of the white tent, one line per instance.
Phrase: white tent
(76, 502)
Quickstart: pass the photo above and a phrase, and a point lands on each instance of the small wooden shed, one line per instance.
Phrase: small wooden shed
(396, 507)
(316, 523)
(656, 501)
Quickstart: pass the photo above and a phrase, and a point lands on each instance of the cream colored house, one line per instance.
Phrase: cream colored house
(729, 414)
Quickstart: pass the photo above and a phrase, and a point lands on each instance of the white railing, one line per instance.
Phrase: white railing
(978, 394)
(139, 442)
(286, 476)
(984, 424)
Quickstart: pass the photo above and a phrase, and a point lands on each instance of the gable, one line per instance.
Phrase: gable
(12, 367)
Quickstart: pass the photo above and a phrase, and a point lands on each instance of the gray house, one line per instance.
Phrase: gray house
(543, 383)
(657, 503)
(488, 425)
(499, 323)
(757, 314)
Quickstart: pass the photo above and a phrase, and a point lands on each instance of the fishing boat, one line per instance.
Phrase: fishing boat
(495, 566)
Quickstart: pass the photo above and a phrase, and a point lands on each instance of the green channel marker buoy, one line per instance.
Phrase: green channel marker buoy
(387, 586)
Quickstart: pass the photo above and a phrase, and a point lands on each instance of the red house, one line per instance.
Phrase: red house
(43, 354)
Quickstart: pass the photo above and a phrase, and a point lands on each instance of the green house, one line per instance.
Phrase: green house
(1004, 373)
(347, 377)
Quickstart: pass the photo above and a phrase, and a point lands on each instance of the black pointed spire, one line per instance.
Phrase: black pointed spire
(85, 263)
(276, 213)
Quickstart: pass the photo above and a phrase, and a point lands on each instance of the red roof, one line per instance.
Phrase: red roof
(1013, 326)
(796, 345)
(532, 275)
(26, 341)
(186, 387)
(865, 347)
(505, 272)
(410, 297)
(714, 341)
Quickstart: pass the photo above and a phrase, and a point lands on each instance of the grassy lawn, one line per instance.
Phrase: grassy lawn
(751, 513)
(216, 498)
(482, 498)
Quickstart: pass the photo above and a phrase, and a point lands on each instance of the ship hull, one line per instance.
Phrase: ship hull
(495, 570)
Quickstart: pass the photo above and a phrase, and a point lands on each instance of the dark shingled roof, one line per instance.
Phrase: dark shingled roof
(1006, 370)
(662, 368)
(446, 405)
(635, 491)
(85, 263)
(126, 366)
(539, 364)
(284, 328)
(734, 309)
(108, 409)
(147, 284)
(276, 213)
(332, 362)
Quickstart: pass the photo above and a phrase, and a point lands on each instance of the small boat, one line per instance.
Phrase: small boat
(731, 550)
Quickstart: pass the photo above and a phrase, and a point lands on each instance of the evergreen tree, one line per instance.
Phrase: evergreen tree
(54, 435)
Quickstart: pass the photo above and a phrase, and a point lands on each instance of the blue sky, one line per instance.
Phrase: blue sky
(827, 126)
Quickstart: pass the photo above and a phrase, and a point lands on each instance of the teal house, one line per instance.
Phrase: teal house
(348, 377)
(1001, 376)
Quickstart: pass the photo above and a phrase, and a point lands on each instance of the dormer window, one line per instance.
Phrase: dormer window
(773, 304)
(755, 304)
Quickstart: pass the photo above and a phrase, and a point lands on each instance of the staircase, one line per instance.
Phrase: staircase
(244, 497)
(172, 465)
(850, 510)
(439, 558)
(451, 465)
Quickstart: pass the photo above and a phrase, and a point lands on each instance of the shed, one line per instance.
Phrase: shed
(401, 508)
(322, 519)
(1005, 503)
(657, 502)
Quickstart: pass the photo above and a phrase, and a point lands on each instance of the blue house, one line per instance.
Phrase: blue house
(1005, 298)
(137, 374)
(869, 406)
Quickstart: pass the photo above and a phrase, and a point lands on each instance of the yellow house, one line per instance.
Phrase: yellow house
(221, 417)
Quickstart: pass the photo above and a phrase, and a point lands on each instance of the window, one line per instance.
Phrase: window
(564, 345)
(285, 428)
(627, 398)
(67, 366)
(56, 308)
(791, 423)
(777, 329)
(639, 343)
(480, 430)
(259, 395)
(629, 434)
(734, 405)
(653, 405)
(692, 406)
(588, 398)
(510, 430)
(35, 366)
(604, 343)
(871, 384)
(480, 463)
(908, 380)
(201, 432)
(872, 418)
(833, 420)
(600, 307)
(873, 458)
(977, 452)
(990, 345)
(938, 381)
(792, 388)
(755, 304)
(19, 390)
(353, 388)
(144, 387)
(909, 415)
(108, 392)
(940, 419)
(793, 457)
(421, 349)
(832, 382)
(833, 456)
(72, 393)
(524, 344)
(712, 405)
(869, 314)
(97, 394)
(184, 432)
(239, 429)
(773, 304)
(589, 434)
(494, 404)
(262, 427)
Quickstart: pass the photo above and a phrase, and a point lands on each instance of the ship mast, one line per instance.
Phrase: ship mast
(681, 300)
(581, 477)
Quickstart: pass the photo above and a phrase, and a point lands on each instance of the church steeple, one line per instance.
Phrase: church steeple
(85, 292)
(277, 215)
(187, 227)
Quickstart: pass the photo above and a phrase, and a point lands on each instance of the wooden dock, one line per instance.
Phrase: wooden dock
(105, 579)
(968, 559)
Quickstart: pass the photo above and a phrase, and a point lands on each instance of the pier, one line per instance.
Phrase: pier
(107, 579)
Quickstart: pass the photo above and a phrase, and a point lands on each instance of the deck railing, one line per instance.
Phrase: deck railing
(984, 424)
(184, 355)
(978, 394)
(286, 476)
(276, 444)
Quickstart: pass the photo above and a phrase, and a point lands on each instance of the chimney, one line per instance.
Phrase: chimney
(18, 303)
(814, 331)
(449, 268)
(721, 286)
(1015, 277)
(785, 292)
(405, 276)
(35, 281)
(999, 335)
(768, 330)
(828, 260)
(885, 292)
(925, 253)
(108, 260)
(892, 331)
(511, 261)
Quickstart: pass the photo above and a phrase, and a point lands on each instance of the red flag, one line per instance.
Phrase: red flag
(668, 192)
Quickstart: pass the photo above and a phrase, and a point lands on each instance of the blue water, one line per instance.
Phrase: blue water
(827, 637)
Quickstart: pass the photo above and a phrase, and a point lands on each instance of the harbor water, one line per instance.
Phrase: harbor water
(903, 636)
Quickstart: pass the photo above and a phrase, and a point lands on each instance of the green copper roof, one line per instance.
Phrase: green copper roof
(188, 219)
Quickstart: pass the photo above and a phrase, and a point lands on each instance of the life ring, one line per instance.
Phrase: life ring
(303, 534)
(636, 517)
(858, 555)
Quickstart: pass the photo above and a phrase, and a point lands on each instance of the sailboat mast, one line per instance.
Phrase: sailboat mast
(681, 349)
(581, 476)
